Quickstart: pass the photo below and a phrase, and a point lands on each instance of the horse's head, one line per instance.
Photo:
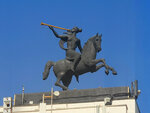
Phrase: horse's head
(93, 44)
(97, 42)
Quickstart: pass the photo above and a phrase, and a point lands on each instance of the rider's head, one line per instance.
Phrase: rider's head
(76, 29)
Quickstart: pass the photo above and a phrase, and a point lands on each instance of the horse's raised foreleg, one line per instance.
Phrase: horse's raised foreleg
(59, 78)
(108, 67)
(98, 67)
(94, 61)
(113, 71)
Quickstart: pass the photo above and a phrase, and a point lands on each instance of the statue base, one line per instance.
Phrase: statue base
(72, 96)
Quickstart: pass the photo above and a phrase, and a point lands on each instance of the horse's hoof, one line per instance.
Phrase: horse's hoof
(114, 73)
(107, 72)
(45, 76)
(65, 89)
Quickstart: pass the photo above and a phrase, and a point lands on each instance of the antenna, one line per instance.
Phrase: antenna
(22, 94)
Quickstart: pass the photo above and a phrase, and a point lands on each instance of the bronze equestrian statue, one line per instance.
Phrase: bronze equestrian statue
(75, 63)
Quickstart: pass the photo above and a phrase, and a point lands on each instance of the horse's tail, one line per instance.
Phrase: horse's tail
(48, 66)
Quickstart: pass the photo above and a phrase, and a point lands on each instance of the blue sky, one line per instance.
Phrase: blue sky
(25, 46)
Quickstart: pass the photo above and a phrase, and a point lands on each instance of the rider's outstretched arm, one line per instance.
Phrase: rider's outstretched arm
(58, 36)
(79, 46)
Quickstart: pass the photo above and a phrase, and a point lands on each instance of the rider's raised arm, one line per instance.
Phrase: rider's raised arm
(56, 34)
(79, 46)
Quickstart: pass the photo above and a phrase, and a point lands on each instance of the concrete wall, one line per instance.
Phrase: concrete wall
(118, 106)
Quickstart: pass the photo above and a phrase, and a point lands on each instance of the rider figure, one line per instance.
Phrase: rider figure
(72, 43)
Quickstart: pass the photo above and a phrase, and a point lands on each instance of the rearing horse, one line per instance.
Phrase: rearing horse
(87, 63)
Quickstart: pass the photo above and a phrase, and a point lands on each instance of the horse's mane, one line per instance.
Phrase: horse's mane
(85, 47)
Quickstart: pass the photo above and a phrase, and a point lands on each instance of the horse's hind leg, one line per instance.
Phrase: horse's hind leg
(66, 80)
(59, 78)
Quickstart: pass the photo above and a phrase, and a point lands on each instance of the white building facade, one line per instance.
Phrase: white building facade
(117, 106)
(99, 100)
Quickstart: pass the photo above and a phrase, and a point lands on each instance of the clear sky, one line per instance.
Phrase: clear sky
(25, 46)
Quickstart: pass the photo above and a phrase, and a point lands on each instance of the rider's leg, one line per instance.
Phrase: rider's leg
(77, 58)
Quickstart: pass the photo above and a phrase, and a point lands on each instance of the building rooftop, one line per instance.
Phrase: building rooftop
(74, 96)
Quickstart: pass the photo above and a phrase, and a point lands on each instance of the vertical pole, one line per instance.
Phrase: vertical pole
(43, 97)
(132, 89)
(23, 95)
(14, 100)
(51, 99)
(136, 88)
